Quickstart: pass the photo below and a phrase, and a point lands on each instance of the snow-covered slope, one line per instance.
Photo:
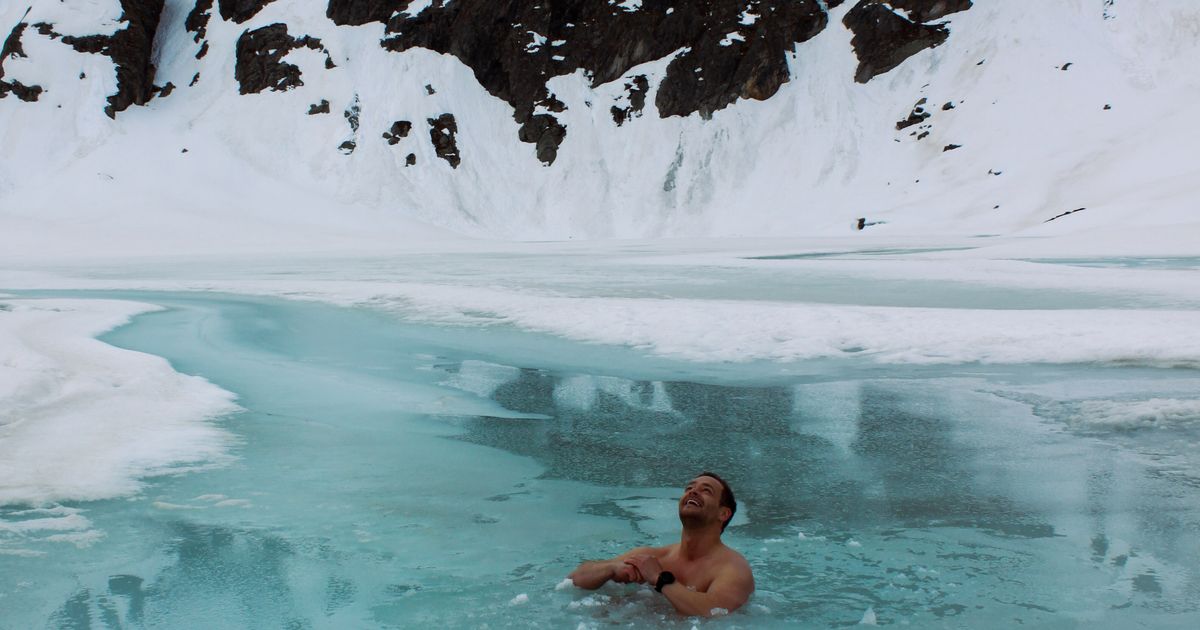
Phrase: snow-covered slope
(1027, 110)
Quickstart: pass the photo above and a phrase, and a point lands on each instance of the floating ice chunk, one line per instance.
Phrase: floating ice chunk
(1121, 415)
(565, 584)
(81, 540)
(801, 536)
(868, 618)
(590, 601)
(518, 600)
(718, 612)
(164, 505)
(853, 543)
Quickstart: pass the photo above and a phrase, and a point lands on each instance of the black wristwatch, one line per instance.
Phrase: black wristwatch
(664, 578)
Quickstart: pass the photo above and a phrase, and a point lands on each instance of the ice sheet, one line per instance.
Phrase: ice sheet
(82, 420)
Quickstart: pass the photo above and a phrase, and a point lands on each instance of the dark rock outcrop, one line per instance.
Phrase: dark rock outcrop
(917, 116)
(131, 50)
(319, 108)
(197, 19)
(398, 131)
(883, 39)
(12, 49)
(359, 12)
(636, 90)
(515, 47)
(240, 10)
(442, 132)
(260, 63)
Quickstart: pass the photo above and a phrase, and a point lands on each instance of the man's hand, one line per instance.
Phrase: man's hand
(626, 574)
(647, 567)
(593, 575)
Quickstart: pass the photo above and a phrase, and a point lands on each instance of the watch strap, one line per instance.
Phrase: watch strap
(664, 578)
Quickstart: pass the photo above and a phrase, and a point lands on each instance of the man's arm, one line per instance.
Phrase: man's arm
(593, 574)
(729, 590)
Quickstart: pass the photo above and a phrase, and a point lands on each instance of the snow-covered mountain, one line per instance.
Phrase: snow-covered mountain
(194, 123)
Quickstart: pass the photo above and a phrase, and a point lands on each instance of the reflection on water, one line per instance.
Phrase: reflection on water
(904, 468)
(924, 498)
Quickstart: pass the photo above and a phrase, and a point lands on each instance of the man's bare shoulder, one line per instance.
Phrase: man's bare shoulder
(735, 562)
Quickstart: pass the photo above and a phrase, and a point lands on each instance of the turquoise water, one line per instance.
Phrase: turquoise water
(394, 475)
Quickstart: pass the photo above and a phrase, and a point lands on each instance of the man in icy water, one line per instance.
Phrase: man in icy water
(699, 575)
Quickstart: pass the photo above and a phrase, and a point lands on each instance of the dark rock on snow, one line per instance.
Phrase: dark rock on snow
(239, 10)
(131, 50)
(398, 131)
(731, 50)
(442, 132)
(260, 54)
(883, 39)
(12, 48)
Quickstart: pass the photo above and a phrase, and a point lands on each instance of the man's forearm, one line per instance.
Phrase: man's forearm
(593, 575)
(689, 602)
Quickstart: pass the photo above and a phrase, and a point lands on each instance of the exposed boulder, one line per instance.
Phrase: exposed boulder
(442, 132)
(398, 131)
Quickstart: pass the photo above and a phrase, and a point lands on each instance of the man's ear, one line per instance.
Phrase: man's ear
(726, 514)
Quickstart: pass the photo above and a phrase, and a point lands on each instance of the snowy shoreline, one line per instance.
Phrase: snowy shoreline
(82, 420)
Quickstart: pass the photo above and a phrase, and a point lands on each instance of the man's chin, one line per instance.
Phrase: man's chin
(691, 520)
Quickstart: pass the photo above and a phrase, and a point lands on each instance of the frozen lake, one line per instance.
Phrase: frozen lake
(904, 438)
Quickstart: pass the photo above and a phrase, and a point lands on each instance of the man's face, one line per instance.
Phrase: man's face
(701, 502)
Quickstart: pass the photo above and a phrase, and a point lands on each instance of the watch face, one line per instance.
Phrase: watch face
(664, 578)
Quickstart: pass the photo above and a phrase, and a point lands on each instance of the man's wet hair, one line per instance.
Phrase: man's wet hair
(727, 499)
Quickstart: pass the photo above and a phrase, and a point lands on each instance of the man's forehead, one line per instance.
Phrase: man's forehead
(705, 479)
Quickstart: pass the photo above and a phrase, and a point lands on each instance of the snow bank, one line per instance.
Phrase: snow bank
(82, 420)
(731, 330)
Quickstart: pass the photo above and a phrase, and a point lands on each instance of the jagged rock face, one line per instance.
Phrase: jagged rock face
(359, 12)
(728, 50)
(883, 39)
(260, 63)
(238, 10)
(197, 19)
(719, 51)
(131, 50)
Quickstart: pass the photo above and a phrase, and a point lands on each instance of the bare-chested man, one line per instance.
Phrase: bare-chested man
(699, 575)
